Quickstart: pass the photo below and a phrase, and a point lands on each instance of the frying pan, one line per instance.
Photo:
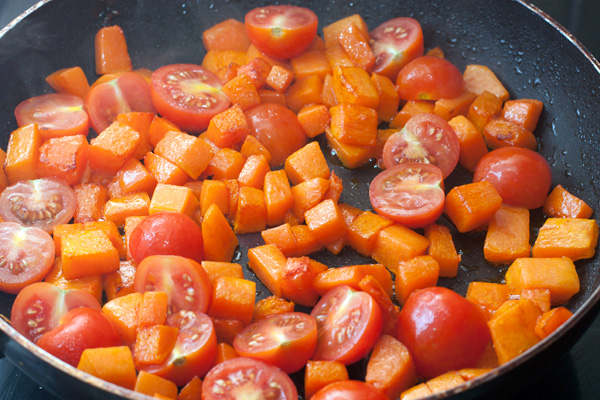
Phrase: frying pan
(531, 54)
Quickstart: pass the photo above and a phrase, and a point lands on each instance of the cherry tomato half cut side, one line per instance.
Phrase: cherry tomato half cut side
(281, 31)
(410, 194)
(188, 95)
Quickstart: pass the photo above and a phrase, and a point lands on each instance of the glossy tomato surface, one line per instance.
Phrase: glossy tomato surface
(429, 78)
(521, 176)
(188, 95)
(57, 114)
(40, 203)
(426, 138)
(167, 233)
(349, 390)
(245, 378)
(79, 329)
(126, 92)
(442, 330)
(410, 194)
(195, 349)
(186, 283)
(26, 256)
(285, 340)
(281, 31)
(38, 308)
(277, 128)
(395, 43)
(349, 322)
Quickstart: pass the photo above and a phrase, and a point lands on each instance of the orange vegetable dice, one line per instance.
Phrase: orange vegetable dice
(314, 119)
(159, 128)
(112, 364)
(233, 298)
(391, 368)
(567, 237)
(241, 91)
(141, 122)
(252, 146)
(226, 164)
(306, 163)
(224, 352)
(389, 100)
(562, 204)
(326, 222)
(22, 154)
(112, 147)
(132, 177)
(350, 155)
(153, 344)
(332, 32)
(303, 92)
(91, 284)
(523, 112)
(416, 273)
(268, 262)
(479, 78)
(507, 237)
(483, 109)
(278, 196)
(90, 202)
(541, 297)
(356, 44)
(354, 85)
(64, 157)
(175, 198)
(271, 305)
(551, 320)
(472, 144)
(281, 236)
(129, 205)
(354, 125)
(188, 152)
(319, 374)
(69, 80)
(280, 78)
(351, 275)
(499, 132)
(111, 51)
(153, 309)
(446, 381)
(226, 35)
(251, 212)
(217, 269)
(153, 385)
(487, 295)
(164, 171)
(228, 128)
(442, 249)
(219, 239)
(123, 313)
(119, 283)
(297, 280)
(253, 172)
(364, 230)
(452, 108)
(397, 243)
(472, 205)
(308, 194)
(87, 253)
(192, 390)
(409, 110)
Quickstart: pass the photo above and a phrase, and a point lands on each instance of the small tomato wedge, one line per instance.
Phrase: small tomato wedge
(40, 203)
(188, 95)
(57, 114)
(349, 390)
(245, 378)
(79, 329)
(186, 283)
(429, 78)
(281, 31)
(426, 138)
(410, 194)
(26, 256)
(38, 308)
(349, 322)
(195, 349)
(285, 340)
(124, 93)
(395, 43)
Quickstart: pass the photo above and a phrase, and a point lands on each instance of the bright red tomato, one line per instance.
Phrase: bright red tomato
(521, 176)
(26, 256)
(57, 114)
(429, 78)
(349, 322)
(395, 43)
(410, 194)
(38, 308)
(194, 352)
(79, 329)
(277, 128)
(167, 233)
(426, 138)
(245, 378)
(184, 280)
(349, 390)
(187, 94)
(281, 31)
(127, 92)
(40, 203)
(442, 330)
(285, 340)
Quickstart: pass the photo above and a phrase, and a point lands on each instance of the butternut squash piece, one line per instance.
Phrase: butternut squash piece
(353, 85)
(220, 242)
(472, 144)
(523, 112)
(567, 237)
(314, 119)
(175, 198)
(472, 205)
(64, 157)
(311, 62)
(22, 154)
(551, 320)
(319, 374)
(397, 243)
(119, 283)
(278, 196)
(364, 230)
(268, 262)
(507, 237)
(487, 295)
(153, 385)
(112, 147)
(416, 273)
(88, 252)
(91, 284)
(251, 212)
(226, 35)
(479, 78)
(153, 344)
(253, 172)
(304, 91)
(271, 305)
(354, 125)
(112, 364)
(233, 298)
(326, 222)
(306, 163)
(442, 249)
(69, 80)
(188, 152)
(111, 51)
(129, 205)
(562, 204)
(280, 78)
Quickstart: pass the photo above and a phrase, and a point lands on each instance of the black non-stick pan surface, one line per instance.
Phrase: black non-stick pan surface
(529, 52)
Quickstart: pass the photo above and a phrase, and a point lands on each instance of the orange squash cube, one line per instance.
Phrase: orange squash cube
(219, 239)
(354, 125)
(87, 253)
(233, 298)
(567, 237)
(188, 152)
(354, 85)
(507, 237)
(112, 364)
(472, 205)
(397, 243)
(112, 147)
(416, 273)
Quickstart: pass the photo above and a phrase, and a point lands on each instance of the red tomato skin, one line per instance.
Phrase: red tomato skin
(335, 342)
(410, 194)
(349, 390)
(442, 330)
(521, 176)
(174, 94)
(167, 233)
(37, 309)
(241, 376)
(277, 128)
(429, 78)
(79, 329)
(281, 40)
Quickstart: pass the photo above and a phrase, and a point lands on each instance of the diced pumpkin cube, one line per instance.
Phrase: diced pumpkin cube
(112, 364)
(233, 298)
(397, 243)
(507, 237)
(567, 237)
(87, 253)
(416, 273)
(472, 205)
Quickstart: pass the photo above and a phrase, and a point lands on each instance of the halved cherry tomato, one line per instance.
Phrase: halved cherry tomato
(184, 280)
(349, 323)
(79, 329)
(285, 340)
(38, 308)
(426, 138)
(57, 114)
(245, 378)
(349, 390)
(429, 78)
(26, 256)
(195, 349)
(41, 203)
(410, 194)
(281, 31)
(442, 330)
(277, 128)
(127, 92)
(167, 233)
(521, 176)
(395, 43)
(187, 94)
